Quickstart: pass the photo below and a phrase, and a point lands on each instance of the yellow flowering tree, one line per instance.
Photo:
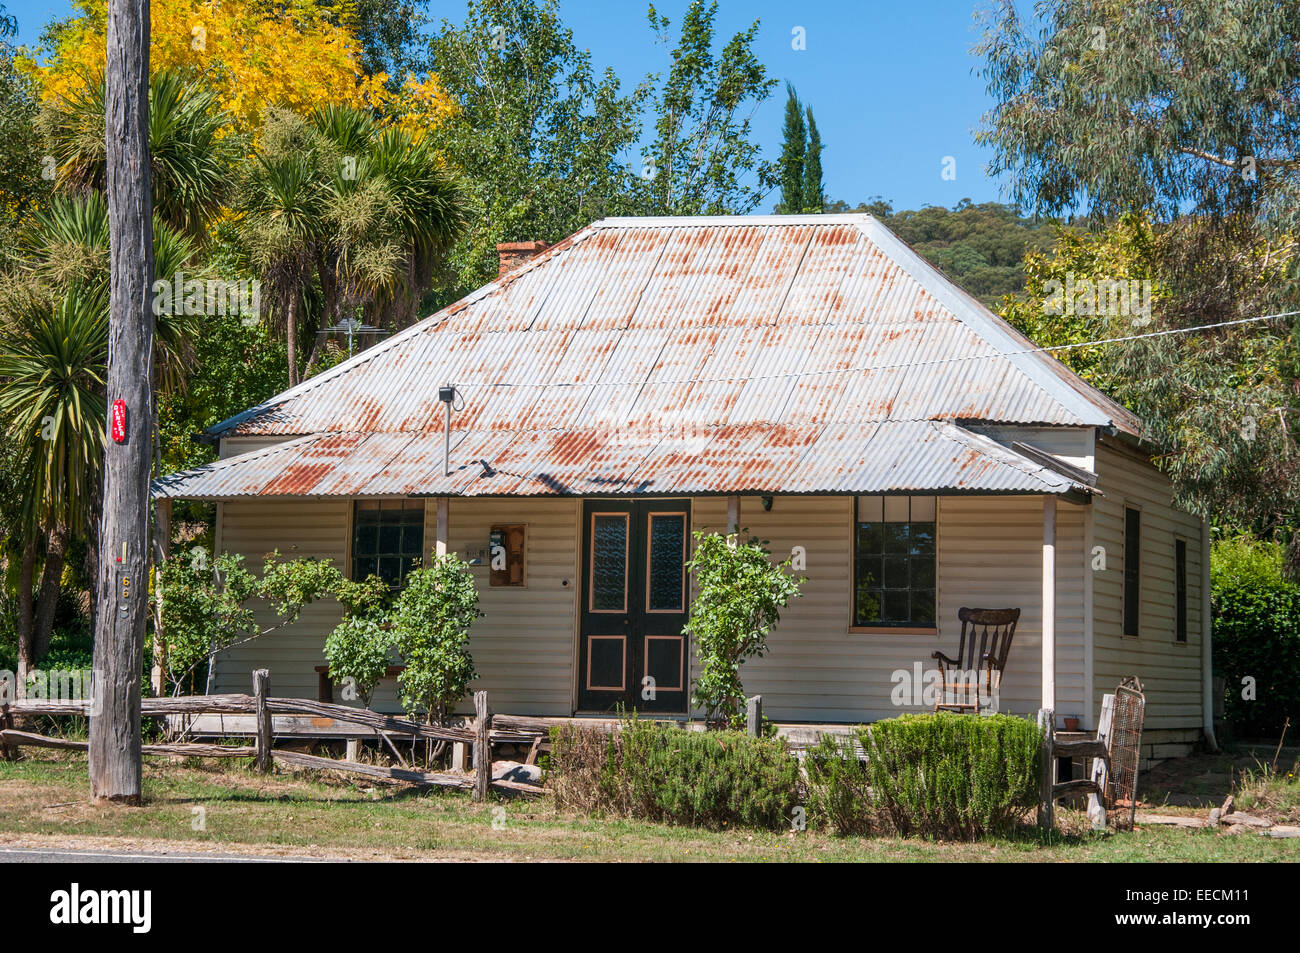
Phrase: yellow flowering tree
(253, 54)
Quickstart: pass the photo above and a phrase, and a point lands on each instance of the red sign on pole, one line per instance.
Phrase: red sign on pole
(119, 421)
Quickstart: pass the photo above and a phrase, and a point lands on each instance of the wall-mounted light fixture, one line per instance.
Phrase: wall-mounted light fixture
(767, 503)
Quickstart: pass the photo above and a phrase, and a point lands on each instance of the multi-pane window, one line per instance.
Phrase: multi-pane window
(387, 539)
(1132, 569)
(1180, 589)
(894, 561)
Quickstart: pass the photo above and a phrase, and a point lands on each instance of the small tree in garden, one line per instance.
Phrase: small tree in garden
(740, 597)
(360, 646)
(204, 609)
(431, 627)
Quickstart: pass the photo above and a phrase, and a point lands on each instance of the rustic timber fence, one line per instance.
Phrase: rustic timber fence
(479, 734)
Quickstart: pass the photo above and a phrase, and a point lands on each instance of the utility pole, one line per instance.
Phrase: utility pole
(121, 589)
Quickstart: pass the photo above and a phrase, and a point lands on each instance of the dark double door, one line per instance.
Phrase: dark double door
(631, 651)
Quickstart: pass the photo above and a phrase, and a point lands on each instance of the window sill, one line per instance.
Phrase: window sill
(892, 630)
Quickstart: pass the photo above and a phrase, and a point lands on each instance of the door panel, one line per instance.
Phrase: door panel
(631, 651)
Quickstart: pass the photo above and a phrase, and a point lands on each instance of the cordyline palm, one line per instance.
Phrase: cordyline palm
(281, 225)
(53, 342)
(65, 247)
(53, 361)
(191, 149)
(392, 210)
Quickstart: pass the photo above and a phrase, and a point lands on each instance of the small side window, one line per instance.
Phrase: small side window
(1180, 589)
(1132, 569)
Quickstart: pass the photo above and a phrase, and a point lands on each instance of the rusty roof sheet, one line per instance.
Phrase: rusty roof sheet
(762, 342)
(888, 456)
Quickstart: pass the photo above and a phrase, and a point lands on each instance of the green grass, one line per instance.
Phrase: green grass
(43, 799)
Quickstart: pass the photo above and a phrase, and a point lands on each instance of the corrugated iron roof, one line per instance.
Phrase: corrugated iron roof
(781, 345)
(887, 456)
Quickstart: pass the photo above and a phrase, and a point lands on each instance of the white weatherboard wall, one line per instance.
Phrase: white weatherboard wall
(523, 647)
(989, 556)
(295, 527)
(1170, 671)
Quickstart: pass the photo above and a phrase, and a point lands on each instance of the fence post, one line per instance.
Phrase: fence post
(7, 723)
(754, 716)
(482, 746)
(261, 689)
(1047, 803)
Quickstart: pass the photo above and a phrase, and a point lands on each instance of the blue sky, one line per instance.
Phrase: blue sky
(893, 85)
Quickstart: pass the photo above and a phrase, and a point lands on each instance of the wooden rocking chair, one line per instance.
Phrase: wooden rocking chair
(976, 672)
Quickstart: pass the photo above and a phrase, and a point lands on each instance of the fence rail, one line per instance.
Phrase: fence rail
(262, 705)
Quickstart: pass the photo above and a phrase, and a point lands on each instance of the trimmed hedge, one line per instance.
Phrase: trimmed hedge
(839, 792)
(1256, 634)
(664, 773)
(949, 775)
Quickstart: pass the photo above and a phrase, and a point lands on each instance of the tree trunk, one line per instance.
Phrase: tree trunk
(121, 589)
(26, 615)
(47, 602)
(291, 337)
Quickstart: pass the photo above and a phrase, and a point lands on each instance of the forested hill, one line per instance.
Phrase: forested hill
(978, 246)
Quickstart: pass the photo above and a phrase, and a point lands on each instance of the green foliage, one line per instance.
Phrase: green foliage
(794, 147)
(1193, 121)
(205, 605)
(537, 133)
(980, 247)
(1256, 635)
(191, 148)
(1171, 104)
(544, 141)
(814, 194)
(664, 773)
(839, 792)
(705, 160)
(236, 366)
(361, 646)
(948, 775)
(739, 598)
(800, 164)
(431, 623)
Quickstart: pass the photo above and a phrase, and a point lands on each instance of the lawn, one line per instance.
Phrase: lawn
(194, 807)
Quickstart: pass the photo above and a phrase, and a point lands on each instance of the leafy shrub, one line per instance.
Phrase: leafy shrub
(431, 629)
(739, 599)
(359, 649)
(949, 775)
(839, 792)
(1256, 633)
(668, 774)
(361, 645)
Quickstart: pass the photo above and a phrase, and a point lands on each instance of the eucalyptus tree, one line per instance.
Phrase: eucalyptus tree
(1189, 115)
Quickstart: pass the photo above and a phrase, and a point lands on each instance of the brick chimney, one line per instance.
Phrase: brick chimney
(513, 254)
